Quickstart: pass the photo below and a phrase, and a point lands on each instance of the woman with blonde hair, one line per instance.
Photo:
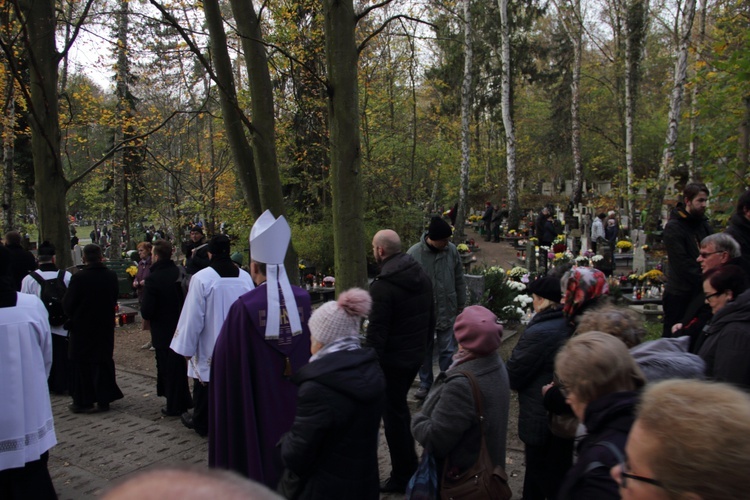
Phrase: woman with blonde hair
(691, 440)
(599, 379)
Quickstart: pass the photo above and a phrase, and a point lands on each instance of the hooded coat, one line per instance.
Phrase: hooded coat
(725, 343)
(682, 237)
(333, 443)
(403, 313)
(530, 368)
(446, 272)
(608, 420)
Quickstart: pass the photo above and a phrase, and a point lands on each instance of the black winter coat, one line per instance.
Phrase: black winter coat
(162, 301)
(531, 366)
(725, 343)
(682, 236)
(739, 229)
(22, 262)
(333, 442)
(90, 305)
(402, 317)
(608, 419)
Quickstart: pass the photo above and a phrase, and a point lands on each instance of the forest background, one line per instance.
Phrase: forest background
(350, 117)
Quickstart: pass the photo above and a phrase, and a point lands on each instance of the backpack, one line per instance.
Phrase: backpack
(51, 293)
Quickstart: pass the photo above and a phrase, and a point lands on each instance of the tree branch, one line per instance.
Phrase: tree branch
(76, 29)
(369, 9)
(375, 33)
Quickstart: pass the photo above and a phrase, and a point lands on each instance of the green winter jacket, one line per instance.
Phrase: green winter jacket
(447, 275)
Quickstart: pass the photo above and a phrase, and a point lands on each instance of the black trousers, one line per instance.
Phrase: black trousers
(675, 306)
(546, 466)
(397, 421)
(200, 410)
(171, 381)
(30, 481)
(59, 374)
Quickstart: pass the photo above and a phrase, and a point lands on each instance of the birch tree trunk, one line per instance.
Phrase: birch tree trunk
(463, 191)
(510, 134)
(693, 173)
(576, 37)
(680, 75)
(343, 112)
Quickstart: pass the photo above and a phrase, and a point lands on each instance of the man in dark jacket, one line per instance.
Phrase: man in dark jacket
(401, 322)
(161, 304)
(739, 229)
(487, 220)
(196, 251)
(90, 304)
(686, 227)
(22, 261)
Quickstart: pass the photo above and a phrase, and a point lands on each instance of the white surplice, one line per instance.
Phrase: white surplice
(206, 306)
(27, 428)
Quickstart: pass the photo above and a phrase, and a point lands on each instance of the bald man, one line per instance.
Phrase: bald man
(401, 322)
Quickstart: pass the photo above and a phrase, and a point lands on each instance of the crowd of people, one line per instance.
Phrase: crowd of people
(293, 398)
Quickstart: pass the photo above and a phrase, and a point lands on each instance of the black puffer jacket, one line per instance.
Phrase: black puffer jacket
(333, 442)
(682, 237)
(531, 366)
(608, 420)
(162, 301)
(402, 316)
(725, 343)
(739, 229)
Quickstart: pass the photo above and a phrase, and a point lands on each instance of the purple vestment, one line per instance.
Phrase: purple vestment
(251, 399)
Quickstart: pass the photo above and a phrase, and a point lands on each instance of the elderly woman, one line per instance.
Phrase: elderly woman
(144, 269)
(691, 440)
(531, 365)
(332, 447)
(448, 424)
(725, 342)
(598, 377)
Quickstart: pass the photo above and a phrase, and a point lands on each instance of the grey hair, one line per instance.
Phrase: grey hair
(723, 242)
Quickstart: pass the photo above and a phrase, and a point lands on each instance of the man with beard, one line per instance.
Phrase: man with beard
(442, 263)
(161, 304)
(686, 228)
(401, 322)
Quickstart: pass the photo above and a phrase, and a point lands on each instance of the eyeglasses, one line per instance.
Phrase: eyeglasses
(712, 295)
(705, 255)
(627, 475)
(559, 383)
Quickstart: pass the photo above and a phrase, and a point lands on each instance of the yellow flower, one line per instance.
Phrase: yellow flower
(302, 267)
(132, 271)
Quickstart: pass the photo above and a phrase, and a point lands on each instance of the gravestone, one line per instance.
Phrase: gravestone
(474, 288)
(639, 260)
(530, 257)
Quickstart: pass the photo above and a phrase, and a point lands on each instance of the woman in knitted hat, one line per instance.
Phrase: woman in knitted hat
(530, 367)
(448, 423)
(331, 449)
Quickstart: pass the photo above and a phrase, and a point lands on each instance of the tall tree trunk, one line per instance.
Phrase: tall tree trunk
(744, 147)
(343, 112)
(50, 184)
(680, 75)
(242, 152)
(510, 133)
(263, 118)
(693, 171)
(576, 36)
(9, 135)
(463, 192)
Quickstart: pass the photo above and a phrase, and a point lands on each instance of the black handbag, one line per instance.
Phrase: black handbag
(483, 480)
